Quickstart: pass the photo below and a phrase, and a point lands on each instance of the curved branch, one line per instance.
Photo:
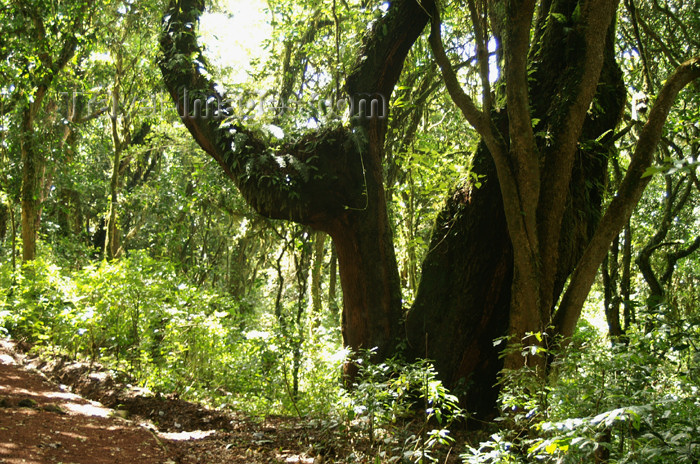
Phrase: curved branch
(674, 257)
(382, 56)
(644, 258)
(623, 204)
(307, 181)
(464, 102)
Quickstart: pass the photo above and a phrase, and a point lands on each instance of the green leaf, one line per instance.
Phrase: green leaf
(560, 18)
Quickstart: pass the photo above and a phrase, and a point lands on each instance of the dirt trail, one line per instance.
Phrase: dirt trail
(42, 422)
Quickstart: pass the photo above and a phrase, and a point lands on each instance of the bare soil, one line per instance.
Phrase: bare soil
(43, 421)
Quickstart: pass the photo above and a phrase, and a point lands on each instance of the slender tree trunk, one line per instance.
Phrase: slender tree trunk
(301, 264)
(611, 278)
(412, 265)
(316, 273)
(14, 238)
(32, 167)
(4, 216)
(626, 282)
(33, 160)
(112, 238)
(332, 281)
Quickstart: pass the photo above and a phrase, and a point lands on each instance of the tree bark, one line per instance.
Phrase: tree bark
(331, 179)
(332, 284)
(626, 283)
(112, 238)
(526, 242)
(463, 299)
(611, 277)
(319, 242)
(620, 209)
(33, 165)
(4, 216)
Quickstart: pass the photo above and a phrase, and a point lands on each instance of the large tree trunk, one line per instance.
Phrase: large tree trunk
(330, 179)
(368, 270)
(465, 299)
(464, 293)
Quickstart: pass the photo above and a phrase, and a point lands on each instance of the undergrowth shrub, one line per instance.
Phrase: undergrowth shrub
(632, 402)
(137, 316)
(403, 410)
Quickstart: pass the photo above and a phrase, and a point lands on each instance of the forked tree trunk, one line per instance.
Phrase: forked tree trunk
(464, 300)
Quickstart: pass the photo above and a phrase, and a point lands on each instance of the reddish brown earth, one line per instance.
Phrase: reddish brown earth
(42, 422)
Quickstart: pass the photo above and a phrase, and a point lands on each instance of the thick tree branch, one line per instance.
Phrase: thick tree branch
(578, 90)
(523, 150)
(521, 169)
(696, 181)
(623, 204)
(482, 51)
(382, 56)
(307, 181)
(477, 118)
(632, 10)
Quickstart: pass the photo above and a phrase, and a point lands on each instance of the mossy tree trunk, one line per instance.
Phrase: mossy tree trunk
(331, 179)
(499, 254)
(51, 63)
(33, 164)
(498, 266)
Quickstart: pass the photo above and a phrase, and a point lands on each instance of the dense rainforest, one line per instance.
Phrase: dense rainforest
(413, 217)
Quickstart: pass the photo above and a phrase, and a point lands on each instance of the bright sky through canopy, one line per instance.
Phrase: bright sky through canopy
(234, 36)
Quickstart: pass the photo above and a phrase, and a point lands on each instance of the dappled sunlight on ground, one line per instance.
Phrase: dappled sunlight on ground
(40, 424)
(192, 435)
(88, 409)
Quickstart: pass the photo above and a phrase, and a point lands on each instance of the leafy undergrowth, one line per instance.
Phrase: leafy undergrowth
(257, 388)
(633, 401)
(194, 433)
(152, 329)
